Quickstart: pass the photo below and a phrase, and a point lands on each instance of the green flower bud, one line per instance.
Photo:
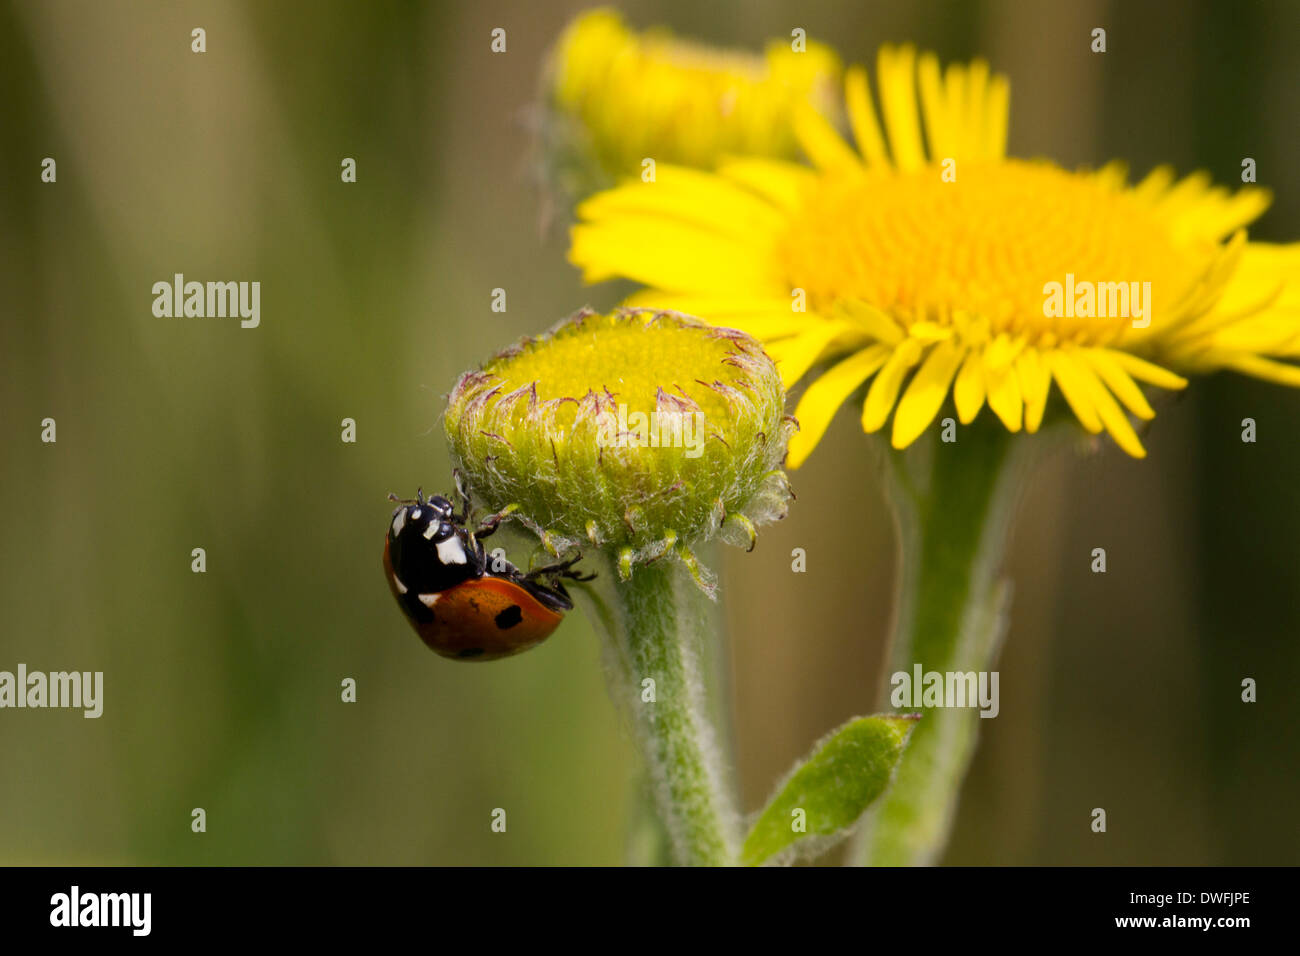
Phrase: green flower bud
(642, 433)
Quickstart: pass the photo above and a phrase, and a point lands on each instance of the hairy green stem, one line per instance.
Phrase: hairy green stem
(646, 839)
(953, 504)
(655, 624)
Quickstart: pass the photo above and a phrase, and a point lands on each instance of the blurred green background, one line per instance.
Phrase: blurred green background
(222, 690)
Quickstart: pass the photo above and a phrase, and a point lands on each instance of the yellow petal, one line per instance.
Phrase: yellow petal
(711, 203)
(668, 254)
(1258, 367)
(765, 318)
(1226, 214)
(825, 147)
(896, 77)
(929, 331)
(934, 106)
(1268, 275)
(1274, 333)
(925, 393)
(884, 390)
(1114, 174)
(824, 397)
(1155, 184)
(862, 118)
(1145, 371)
(997, 115)
(794, 356)
(1108, 410)
(1074, 389)
(1004, 395)
(1002, 352)
(954, 81)
(1186, 194)
(874, 322)
(780, 183)
(1035, 384)
(1118, 381)
(968, 393)
(971, 118)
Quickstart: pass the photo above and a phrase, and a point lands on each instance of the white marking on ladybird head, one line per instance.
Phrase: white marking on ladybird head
(429, 600)
(452, 551)
(430, 531)
(415, 515)
(399, 521)
(401, 588)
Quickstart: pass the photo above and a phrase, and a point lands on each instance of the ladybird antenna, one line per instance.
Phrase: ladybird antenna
(417, 500)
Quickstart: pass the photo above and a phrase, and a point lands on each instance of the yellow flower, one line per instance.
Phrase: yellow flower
(937, 264)
(627, 97)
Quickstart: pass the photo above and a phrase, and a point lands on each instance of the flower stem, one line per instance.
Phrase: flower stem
(646, 839)
(654, 624)
(953, 503)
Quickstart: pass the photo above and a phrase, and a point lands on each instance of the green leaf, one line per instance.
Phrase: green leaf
(848, 769)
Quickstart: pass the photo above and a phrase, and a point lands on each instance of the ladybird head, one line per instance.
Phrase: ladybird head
(426, 548)
(431, 521)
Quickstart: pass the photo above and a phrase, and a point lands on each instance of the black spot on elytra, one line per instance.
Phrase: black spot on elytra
(416, 608)
(509, 617)
(470, 652)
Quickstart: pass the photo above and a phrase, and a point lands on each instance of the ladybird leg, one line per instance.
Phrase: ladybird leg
(565, 570)
(480, 553)
(557, 568)
(560, 569)
(462, 495)
(489, 524)
(554, 597)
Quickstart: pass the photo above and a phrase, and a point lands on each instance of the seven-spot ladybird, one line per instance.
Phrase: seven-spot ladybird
(462, 605)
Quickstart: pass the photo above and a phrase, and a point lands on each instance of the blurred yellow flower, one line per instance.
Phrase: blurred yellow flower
(930, 261)
(626, 97)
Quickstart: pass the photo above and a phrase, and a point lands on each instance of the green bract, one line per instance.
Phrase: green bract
(641, 433)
